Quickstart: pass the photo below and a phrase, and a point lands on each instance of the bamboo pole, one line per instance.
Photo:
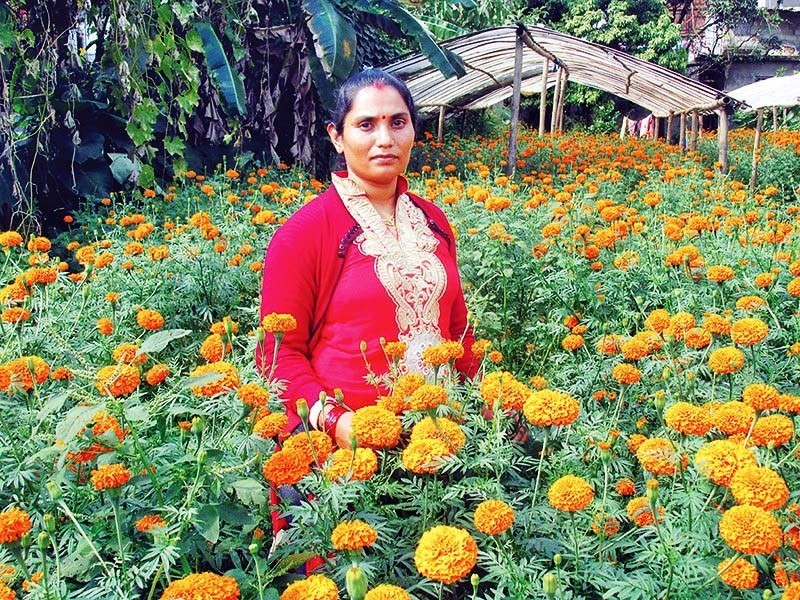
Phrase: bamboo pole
(624, 129)
(722, 139)
(440, 132)
(695, 128)
(657, 128)
(543, 97)
(774, 118)
(562, 98)
(682, 133)
(512, 138)
(756, 144)
(556, 103)
(668, 132)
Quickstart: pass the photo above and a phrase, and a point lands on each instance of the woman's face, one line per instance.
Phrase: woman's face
(377, 136)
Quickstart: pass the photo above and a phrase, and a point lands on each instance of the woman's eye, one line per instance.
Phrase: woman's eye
(366, 125)
(399, 122)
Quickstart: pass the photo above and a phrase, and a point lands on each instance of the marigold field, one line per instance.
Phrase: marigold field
(632, 433)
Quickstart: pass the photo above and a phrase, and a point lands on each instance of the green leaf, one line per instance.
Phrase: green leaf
(207, 523)
(223, 75)
(122, 167)
(147, 176)
(159, 340)
(334, 37)
(290, 563)
(193, 41)
(75, 421)
(174, 145)
(236, 515)
(54, 404)
(250, 492)
(204, 379)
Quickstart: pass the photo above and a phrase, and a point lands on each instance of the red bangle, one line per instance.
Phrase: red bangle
(332, 417)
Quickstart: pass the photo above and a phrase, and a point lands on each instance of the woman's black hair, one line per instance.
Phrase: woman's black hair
(367, 78)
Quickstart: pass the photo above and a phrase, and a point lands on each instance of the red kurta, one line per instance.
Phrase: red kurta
(347, 277)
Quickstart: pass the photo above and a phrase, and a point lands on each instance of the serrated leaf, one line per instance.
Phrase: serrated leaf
(207, 523)
(250, 492)
(54, 404)
(204, 379)
(334, 37)
(290, 563)
(159, 340)
(75, 421)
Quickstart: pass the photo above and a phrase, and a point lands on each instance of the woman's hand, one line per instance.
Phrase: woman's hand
(344, 429)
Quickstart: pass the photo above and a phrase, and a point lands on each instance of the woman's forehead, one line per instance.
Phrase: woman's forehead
(374, 100)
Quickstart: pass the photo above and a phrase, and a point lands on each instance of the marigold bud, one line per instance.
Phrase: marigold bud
(302, 410)
(557, 559)
(475, 580)
(652, 490)
(550, 584)
(356, 583)
(54, 490)
(253, 549)
(43, 540)
(49, 523)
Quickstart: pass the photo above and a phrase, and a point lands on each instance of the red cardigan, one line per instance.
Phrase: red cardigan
(304, 264)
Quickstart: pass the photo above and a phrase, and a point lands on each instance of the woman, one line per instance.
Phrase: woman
(364, 260)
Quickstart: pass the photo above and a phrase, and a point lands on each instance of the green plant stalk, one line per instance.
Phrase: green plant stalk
(539, 467)
(16, 550)
(118, 528)
(143, 458)
(575, 542)
(57, 561)
(667, 553)
(155, 581)
(45, 578)
(258, 578)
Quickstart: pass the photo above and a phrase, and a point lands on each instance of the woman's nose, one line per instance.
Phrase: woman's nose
(384, 135)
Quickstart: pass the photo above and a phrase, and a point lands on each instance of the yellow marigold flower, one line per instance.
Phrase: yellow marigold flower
(793, 287)
(772, 430)
(493, 517)
(313, 587)
(719, 460)
(761, 396)
(788, 402)
(107, 477)
(9, 239)
(149, 522)
(570, 493)
(376, 427)
(105, 326)
(394, 403)
(435, 355)
(442, 429)
(716, 324)
(764, 280)
(127, 353)
(748, 331)
(253, 394)
(635, 349)
(727, 360)
(551, 407)
(634, 441)
(117, 380)
(720, 273)
(792, 592)
(425, 455)
(688, 419)
(750, 303)
(572, 342)
(446, 554)
(151, 320)
(640, 511)
(360, 467)
(759, 486)
(680, 323)
(301, 443)
(271, 425)
(626, 374)
(27, 371)
(428, 396)
(733, 418)
(6, 593)
(386, 591)
(395, 349)
(538, 382)
(157, 374)
(625, 487)
(279, 323)
(750, 530)
(738, 573)
(503, 387)
(16, 314)
(697, 338)
(14, 523)
(658, 320)
(408, 384)
(202, 586)
(286, 468)
(228, 380)
(353, 535)
(658, 456)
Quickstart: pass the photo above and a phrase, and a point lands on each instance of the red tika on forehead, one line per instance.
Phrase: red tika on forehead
(379, 85)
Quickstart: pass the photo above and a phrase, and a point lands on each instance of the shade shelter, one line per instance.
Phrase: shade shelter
(504, 62)
(774, 92)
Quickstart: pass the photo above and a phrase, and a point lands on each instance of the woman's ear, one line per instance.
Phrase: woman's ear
(335, 138)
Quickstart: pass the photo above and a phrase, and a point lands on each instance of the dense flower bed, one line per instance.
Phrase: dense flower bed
(632, 434)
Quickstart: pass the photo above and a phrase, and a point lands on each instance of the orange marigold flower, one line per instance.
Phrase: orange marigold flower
(635, 349)
(16, 314)
(658, 320)
(772, 431)
(117, 380)
(503, 387)
(151, 320)
(316, 587)
(626, 374)
(408, 384)
(720, 273)
(386, 591)
(640, 511)
(551, 407)
(128, 353)
(719, 460)
(105, 326)
(750, 530)
(228, 380)
(738, 573)
(301, 444)
(112, 476)
(570, 493)
(605, 525)
(6, 593)
(750, 303)
(279, 323)
(609, 344)
(634, 441)
(149, 522)
(353, 535)
(764, 280)
(428, 396)
(748, 331)
(572, 342)
(202, 586)
(788, 402)
(271, 425)
(688, 419)
(680, 323)
(733, 418)
(9, 239)
(14, 523)
(60, 374)
(716, 324)
(626, 487)
(727, 360)
(286, 468)
(359, 467)
(425, 455)
(395, 349)
(376, 427)
(446, 554)
(394, 403)
(253, 394)
(442, 429)
(759, 486)
(657, 455)
(480, 347)
(5, 378)
(697, 338)
(493, 517)
(761, 396)
(27, 370)
(157, 374)
(214, 349)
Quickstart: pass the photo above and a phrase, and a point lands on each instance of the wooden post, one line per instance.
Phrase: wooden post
(562, 99)
(657, 128)
(695, 130)
(512, 138)
(556, 103)
(543, 97)
(774, 118)
(624, 129)
(722, 139)
(440, 132)
(756, 144)
(785, 115)
(682, 133)
(668, 132)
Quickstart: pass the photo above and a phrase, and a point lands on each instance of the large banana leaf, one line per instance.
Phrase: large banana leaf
(334, 38)
(449, 63)
(224, 76)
